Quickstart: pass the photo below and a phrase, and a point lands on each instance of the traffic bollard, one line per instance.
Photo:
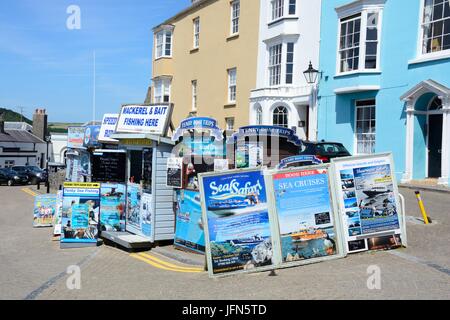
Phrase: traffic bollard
(426, 219)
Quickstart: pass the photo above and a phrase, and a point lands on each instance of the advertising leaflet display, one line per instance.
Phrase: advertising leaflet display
(151, 119)
(80, 214)
(305, 218)
(44, 210)
(108, 128)
(237, 226)
(75, 137)
(112, 207)
(147, 216)
(189, 232)
(58, 213)
(174, 172)
(368, 198)
(133, 223)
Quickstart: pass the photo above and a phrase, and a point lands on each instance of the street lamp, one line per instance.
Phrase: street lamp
(311, 74)
(48, 139)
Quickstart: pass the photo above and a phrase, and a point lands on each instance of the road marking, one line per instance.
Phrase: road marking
(160, 264)
(30, 192)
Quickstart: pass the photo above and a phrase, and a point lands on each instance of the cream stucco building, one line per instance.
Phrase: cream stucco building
(205, 61)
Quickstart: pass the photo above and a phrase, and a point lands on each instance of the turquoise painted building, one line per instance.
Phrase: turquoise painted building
(385, 84)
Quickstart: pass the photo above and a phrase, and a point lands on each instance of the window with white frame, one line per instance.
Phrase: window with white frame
(196, 32)
(162, 90)
(235, 14)
(163, 44)
(359, 42)
(277, 9)
(194, 95)
(280, 117)
(229, 123)
(436, 26)
(365, 126)
(275, 55)
(292, 6)
(290, 63)
(232, 85)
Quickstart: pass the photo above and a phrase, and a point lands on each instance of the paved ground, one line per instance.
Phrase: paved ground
(32, 266)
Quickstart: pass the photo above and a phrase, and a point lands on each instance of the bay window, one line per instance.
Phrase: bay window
(163, 44)
(436, 26)
(162, 90)
(275, 55)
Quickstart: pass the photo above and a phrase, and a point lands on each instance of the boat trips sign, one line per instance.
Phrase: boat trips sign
(152, 119)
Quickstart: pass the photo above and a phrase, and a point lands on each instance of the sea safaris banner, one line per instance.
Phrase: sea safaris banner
(112, 207)
(80, 214)
(237, 229)
(44, 210)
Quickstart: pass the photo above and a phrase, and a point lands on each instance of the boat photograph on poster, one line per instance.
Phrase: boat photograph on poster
(238, 232)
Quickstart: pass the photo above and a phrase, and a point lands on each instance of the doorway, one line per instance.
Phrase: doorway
(435, 145)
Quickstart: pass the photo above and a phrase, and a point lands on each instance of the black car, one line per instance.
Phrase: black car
(34, 173)
(11, 177)
(324, 151)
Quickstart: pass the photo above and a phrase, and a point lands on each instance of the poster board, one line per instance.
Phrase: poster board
(58, 214)
(133, 215)
(80, 214)
(144, 118)
(112, 207)
(368, 199)
(306, 222)
(174, 172)
(238, 235)
(44, 210)
(108, 128)
(75, 137)
(109, 166)
(189, 232)
(147, 216)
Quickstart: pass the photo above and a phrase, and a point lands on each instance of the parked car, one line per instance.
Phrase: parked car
(324, 151)
(11, 177)
(34, 173)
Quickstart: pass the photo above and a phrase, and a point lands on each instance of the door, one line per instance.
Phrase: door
(434, 145)
(136, 165)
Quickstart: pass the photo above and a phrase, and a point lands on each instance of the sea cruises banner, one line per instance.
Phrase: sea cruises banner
(152, 119)
(80, 214)
(133, 223)
(368, 199)
(237, 229)
(306, 217)
(189, 232)
(112, 207)
(44, 210)
(108, 128)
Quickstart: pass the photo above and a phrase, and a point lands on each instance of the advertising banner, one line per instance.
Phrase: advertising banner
(189, 232)
(237, 229)
(133, 214)
(147, 216)
(44, 210)
(368, 199)
(112, 207)
(58, 213)
(144, 119)
(108, 128)
(75, 137)
(80, 214)
(174, 172)
(91, 137)
(307, 222)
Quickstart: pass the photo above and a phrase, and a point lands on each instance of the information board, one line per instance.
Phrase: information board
(109, 166)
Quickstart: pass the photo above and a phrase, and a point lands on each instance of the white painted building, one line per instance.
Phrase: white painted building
(289, 36)
(59, 147)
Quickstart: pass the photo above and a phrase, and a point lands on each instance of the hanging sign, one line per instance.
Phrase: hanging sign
(44, 210)
(153, 119)
(307, 222)
(91, 137)
(174, 172)
(368, 199)
(108, 128)
(198, 123)
(304, 159)
(253, 131)
(236, 221)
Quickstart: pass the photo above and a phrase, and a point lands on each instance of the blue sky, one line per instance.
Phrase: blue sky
(44, 64)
